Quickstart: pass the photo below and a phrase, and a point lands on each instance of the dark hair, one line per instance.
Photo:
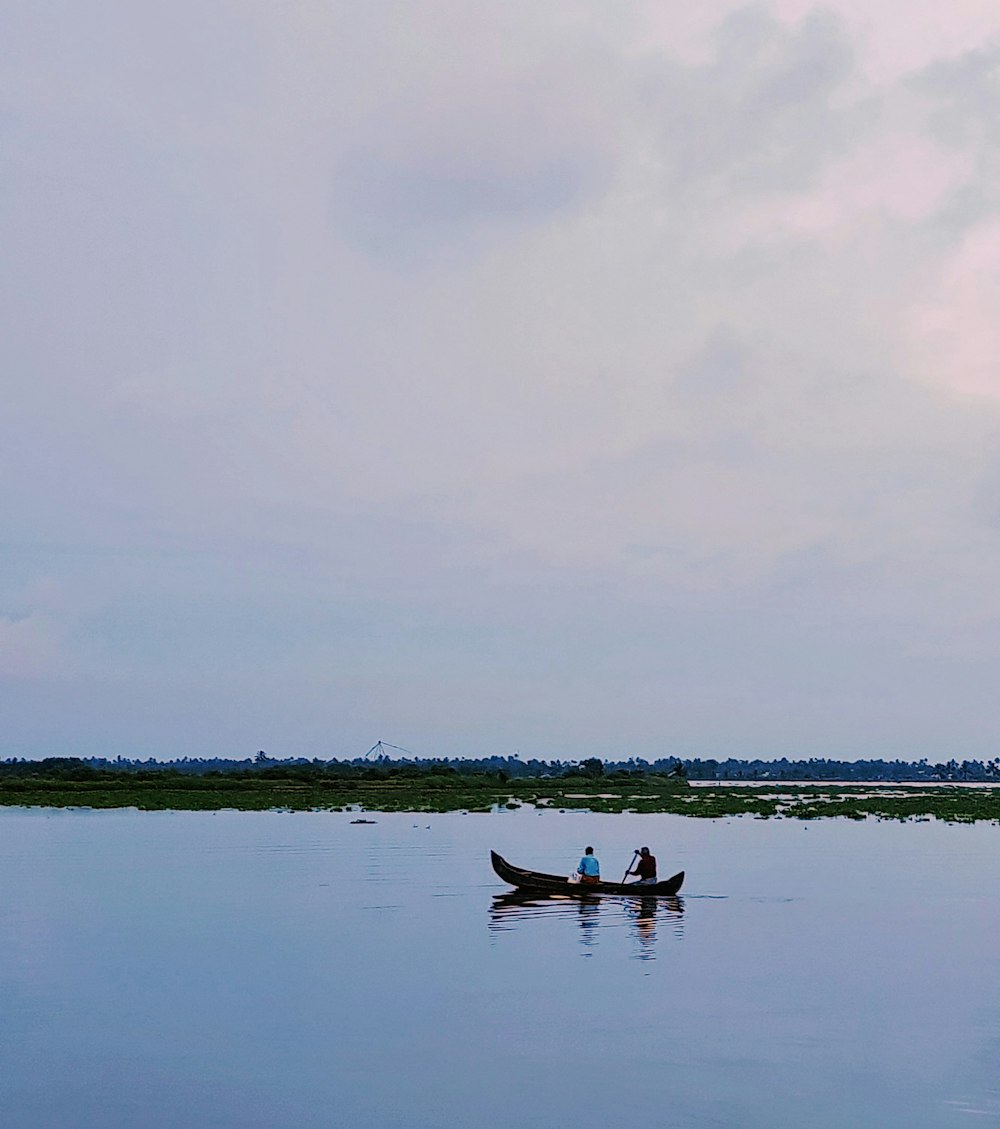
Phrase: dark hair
(589, 851)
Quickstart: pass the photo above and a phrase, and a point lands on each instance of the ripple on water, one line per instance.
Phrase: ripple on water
(647, 919)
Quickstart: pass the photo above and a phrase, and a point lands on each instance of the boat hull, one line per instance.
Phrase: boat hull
(555, 883)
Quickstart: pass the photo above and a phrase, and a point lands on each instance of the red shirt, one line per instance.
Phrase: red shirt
(646, 866)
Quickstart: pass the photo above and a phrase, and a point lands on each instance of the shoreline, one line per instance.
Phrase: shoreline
(947, 801)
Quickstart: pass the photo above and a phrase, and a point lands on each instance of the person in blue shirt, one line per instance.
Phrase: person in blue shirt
(589, 868)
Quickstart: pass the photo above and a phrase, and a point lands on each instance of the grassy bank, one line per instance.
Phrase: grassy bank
(431, 792)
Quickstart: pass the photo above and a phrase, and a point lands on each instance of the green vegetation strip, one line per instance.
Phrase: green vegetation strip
(388, 790)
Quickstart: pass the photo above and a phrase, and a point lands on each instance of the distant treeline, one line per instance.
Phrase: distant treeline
(505, 768)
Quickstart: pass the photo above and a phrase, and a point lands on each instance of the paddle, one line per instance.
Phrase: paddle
(629, 867)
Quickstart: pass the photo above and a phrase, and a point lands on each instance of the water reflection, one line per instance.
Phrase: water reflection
(588, 910)
(645, 918)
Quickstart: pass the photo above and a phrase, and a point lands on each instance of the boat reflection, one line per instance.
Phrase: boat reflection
(645, 918)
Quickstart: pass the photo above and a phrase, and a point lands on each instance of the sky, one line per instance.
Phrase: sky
(566, 378)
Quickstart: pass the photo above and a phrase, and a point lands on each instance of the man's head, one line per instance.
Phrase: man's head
(644, 850)
(589, 851)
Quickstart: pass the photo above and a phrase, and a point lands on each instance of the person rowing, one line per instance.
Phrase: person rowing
(645, 868)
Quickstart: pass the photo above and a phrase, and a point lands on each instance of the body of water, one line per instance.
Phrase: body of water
(297, 971)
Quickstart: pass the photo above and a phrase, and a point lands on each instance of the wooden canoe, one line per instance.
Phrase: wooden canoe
(555, 883)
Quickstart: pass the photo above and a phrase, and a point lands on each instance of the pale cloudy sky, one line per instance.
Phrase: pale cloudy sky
(570, 377)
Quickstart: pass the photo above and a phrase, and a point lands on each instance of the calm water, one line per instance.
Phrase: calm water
(290, 971)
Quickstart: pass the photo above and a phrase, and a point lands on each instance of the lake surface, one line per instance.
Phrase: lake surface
(294, 971)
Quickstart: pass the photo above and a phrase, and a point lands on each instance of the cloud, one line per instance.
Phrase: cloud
(762, 111)
(965, 94)
(566, 376)
(394, 210)
(28, 648)
(36, 623)
(954, 337)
